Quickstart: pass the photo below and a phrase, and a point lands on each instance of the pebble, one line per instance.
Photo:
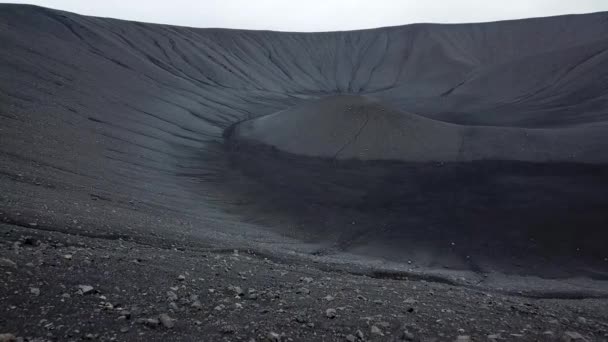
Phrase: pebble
(330, 313)
(85, 289)
(171, 296)
(273, 337)
(463, 338)
(151, 322)
(7, 338)
(351, 338)
(4, 262)
(376, 331)
(35, 291)
(360, 335)
(166, 321)
(181, 277)
(573, 336)
(328, 298)
(237, 290)
(306, 280)
(197, 305)
(303, 290)
(408, 336)
(228, 329)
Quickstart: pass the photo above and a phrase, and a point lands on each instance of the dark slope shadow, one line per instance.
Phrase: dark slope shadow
(512, 217)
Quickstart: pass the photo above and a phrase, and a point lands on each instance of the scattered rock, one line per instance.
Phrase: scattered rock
(85, 289)
(236, 290)
(303, 290)
(328, 298)
(4, 262)
(35, 291)
(307, 280)
(228, 329)
(166, 321)
(408, 336)
(330, 313)
(573, 336)
(7, 338)
(171, 296)
(463, 338)
(150, 322)
(181, 277)
(273, 337)
(360, 335)
(197, 305)
(376, 331)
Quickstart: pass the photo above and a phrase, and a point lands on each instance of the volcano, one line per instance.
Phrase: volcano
(473, 155)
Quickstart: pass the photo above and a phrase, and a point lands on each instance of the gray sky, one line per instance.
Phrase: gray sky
(318, 15)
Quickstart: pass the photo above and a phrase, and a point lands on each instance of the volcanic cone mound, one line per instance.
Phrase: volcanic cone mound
(360, 127)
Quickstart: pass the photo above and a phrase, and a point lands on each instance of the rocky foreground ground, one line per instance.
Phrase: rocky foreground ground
(60, 287)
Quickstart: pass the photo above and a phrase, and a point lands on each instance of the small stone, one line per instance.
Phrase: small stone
(171, 296)
(228, 329)
(85, 289)
(582, 320)
(166, 321)
(303, 291)
(408, 336)
(7, 338)
(237, 290)
(463, 338)
(301, 318)
(4, 262)
(151, 322)
(196, 305)
(68, 256)
(35, 291)
(494, 337)
(330, 313)
(307, 280)
(360, 335)
(573, 336)
(181, 277)
(124, 330)
(273, 337)
(328, 298)
(376, 331)
(351, 338)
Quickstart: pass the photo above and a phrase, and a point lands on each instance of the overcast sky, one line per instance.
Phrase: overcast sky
(318, 15)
